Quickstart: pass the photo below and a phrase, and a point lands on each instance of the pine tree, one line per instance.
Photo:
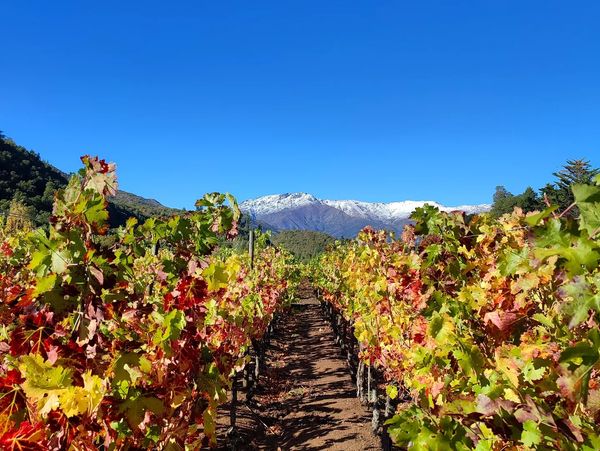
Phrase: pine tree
(560, 193)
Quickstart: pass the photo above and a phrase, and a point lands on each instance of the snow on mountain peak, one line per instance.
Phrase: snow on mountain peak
(380, 211)
(339, 218)
(277, 202)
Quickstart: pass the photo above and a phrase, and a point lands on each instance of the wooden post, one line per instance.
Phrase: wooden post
(369, 380)
(246, 377)
(232, 411)
(359, 379)
(251, 248)
(256, 345)
(155, 248)
(372, 394)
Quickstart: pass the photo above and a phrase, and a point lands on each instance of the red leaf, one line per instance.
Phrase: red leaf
(502, 320)
(12, 378)
(26, 438)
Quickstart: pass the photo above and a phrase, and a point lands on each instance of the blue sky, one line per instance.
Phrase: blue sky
(375, 101)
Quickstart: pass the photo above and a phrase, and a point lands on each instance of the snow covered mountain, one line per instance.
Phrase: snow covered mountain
(340, 218)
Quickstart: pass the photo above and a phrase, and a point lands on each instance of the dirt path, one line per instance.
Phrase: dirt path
(305, 399)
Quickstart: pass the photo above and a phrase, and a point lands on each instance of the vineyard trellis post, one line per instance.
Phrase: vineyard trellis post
(251, 248)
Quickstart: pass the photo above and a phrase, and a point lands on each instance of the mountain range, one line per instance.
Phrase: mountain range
(339, 218)
(25, 176)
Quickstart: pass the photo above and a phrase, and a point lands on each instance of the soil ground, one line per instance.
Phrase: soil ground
(305, 399)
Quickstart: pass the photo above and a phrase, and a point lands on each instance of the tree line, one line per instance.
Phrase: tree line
(557, 192)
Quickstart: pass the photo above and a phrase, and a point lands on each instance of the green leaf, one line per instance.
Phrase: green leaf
(44, 383)
(531, 434)
(135, 409)
(209, 417)
(216, 276)
(44, 284)
(588, 202)
(440, 328)
(174, 324)
(579, 255)
(583, 299)
(531, 373)
(96, 213)
(50, 387)
(40, 261)
(543, 319)
(535, 219)
(582, 350)
(402, 429)
(60, 261)
(510, 261)
(124, 368)
(392, 391)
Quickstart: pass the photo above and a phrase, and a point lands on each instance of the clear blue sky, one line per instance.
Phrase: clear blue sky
(370, 100)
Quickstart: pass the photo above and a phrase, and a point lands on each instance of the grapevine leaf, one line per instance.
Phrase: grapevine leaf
(535, 219)
(588, 354)
(511, 262)
(96, 213)
(216, 276)
(588, 202)
(402, 428)
(135, 409)
(25, 437)
(123, 366)
(392, 391)
(543, 319)
(60, 261)
(44, 383)
(80, 400)
(44, 284)
(208, 417)
(583, 299)
(174, 322)
(531, 373)
(531, 434)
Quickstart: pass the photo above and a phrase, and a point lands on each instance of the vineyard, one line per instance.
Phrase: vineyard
(131, 346)
(485, 331)
(463, 333)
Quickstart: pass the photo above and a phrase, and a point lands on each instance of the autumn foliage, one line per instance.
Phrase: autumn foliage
(131, 346)
(486, 330)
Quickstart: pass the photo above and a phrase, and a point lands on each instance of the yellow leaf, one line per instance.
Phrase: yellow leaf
(510, 394)
(81, 400)
(216, 276)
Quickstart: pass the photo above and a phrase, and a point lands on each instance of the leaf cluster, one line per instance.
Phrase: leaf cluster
(130, 343)
(489, 326)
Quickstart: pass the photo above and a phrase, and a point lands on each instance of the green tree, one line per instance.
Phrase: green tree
(506, 202)
(560, 193)
(303, 244)
(24, 176)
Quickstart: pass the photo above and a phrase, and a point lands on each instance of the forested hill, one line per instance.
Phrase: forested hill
(304, 244)
(24, 176)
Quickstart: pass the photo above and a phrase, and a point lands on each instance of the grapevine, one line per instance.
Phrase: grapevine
(486, 331)
(134, 344)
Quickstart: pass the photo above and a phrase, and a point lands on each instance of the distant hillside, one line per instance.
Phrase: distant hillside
(304, 244)
(125, 205)
(32, 181)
